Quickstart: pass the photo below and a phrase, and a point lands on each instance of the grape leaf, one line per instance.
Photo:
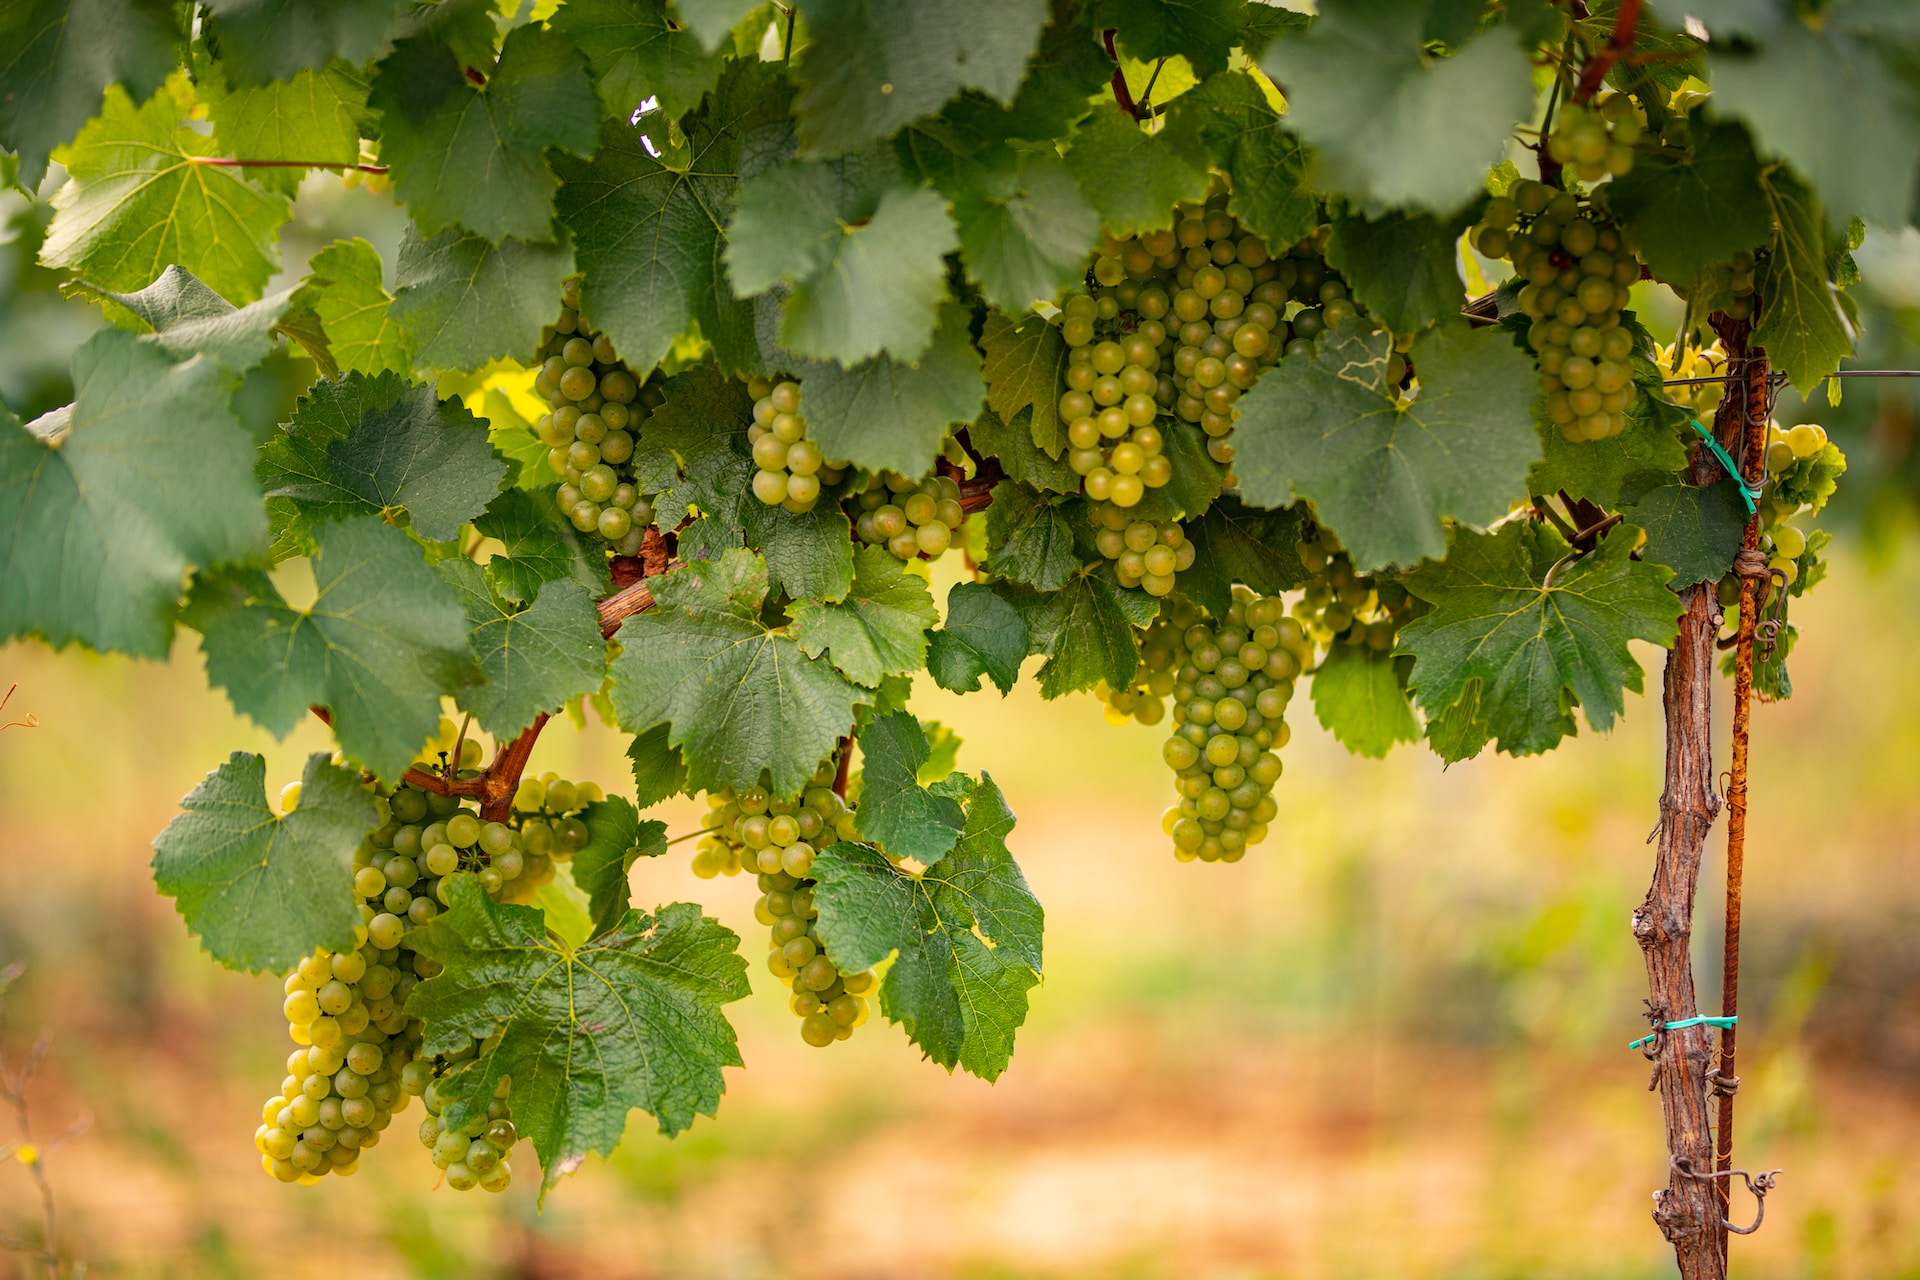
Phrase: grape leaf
(1359, 699)
(1025, 360)
(462, 301)
(1403, 267)
(383, 639)
(1203, 32)
(105, 505)
(1233, 543)
(741, 697)
(343, 289)
(637, 52)
(57, 56)
(1689, 212)
(888, 414)
(906, 819)
(1085, 629)
(1134, 178)
(1393, 124)
(1383, 474)
(694, 445)
(1011, 445)
(1025, 229)
(312, 117)
(135, 203)
(540, 547)
(864, 257)
(631, 1019)
(869, 68)
(1849, 125)
(880, 629)
(1271, 195)
(1693, 531)
(260, 891)
(659, 771)
(983, 635)
(184, 318)
(809, 554)
(1029, 538)
(1458, 733)
(376, 444)
(262, 40)
(616, 839)
(1802, 325)
(650, 236)
(965, 937)
(533, 660)
(476, 157)
(1536, 651)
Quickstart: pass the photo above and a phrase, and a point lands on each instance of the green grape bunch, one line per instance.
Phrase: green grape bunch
(1340, 605)
(1578, 273)
(476, 1154)
(1596, 140)
(1145, 554)
(596, 405)
(790, 469)
(914, 519)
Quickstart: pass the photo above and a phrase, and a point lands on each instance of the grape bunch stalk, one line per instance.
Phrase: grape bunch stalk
(596, 407)
(1578, 273)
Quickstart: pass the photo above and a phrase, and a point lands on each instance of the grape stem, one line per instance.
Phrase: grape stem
(31, 722)
(1609, 53)
(222, 162)
(843, 763)
(31, 1155)
(1121, 94)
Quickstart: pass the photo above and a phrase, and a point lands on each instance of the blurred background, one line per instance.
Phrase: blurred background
(1390, 1043)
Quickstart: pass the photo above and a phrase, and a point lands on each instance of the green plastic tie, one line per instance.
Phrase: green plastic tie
(1722, 1023)
(1748, 494)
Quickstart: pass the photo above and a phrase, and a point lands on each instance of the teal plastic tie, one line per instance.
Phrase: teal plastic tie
(1748, 494)
(1722, 1023)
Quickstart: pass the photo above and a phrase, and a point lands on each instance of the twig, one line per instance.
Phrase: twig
(29, 1154)
(31, 722)
(1121, 94)
(842, 766)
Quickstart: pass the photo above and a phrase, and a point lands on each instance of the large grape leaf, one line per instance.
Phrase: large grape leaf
(862, 252)
(638, 52)
(262, 40)
(880, 629)
(870, 67)
(1802, 325)
(1402, 267)
(1025, 360)
(903, 817)
(1011, 444)
(1203, 32)
(1233, 543)
(1393, 124)
(1849, 124)
(1132, 177)
(379, 445)
(1029, 537)
(1690, 211)
(383, 639)
(312, 118)
(616, 839)
(1025, 228)
(742, 697)
(258, 890)
(1382, 473)
(534, 659)
(650, 232)
(105, 505)
(1085, 631)
(462, 301)
(629, 1019)
(343, 289)
(692, 452)
(57, 56)
(1536, 651)
(982, 635)
(965, 937)
(1358, 697)
(475, 157)
(184, 318)
(1694, 531)
(1271, 195)
(135, 202)
(890, 414)
(809, 554)
(540, 546)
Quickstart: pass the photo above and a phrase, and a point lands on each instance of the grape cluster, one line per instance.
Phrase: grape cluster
(597, 404)
(791, 467)
(1578, 274)
(1145, 554)
(1340, 605)
(1679, 360)
(911, 518)
(476, 1154)
(1597, 140)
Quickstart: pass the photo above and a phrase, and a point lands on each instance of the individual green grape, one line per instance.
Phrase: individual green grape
(914, 519)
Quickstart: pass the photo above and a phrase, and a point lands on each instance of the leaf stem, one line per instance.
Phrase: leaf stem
(221, 162)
